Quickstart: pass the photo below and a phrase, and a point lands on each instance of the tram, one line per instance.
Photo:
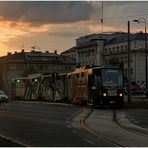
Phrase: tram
(98, 86)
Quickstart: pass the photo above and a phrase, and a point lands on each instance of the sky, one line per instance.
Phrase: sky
(55, 25)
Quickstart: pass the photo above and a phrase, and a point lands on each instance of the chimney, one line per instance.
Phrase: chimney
(15, 52)
(46, 51)
(33, 51)
(22, 50)
(55, 51)
(8, 53)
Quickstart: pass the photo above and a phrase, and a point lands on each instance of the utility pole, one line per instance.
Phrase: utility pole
(129, 65)
(143, 20)
(102, 21)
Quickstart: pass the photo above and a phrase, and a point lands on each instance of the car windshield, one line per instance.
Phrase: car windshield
(1, 92)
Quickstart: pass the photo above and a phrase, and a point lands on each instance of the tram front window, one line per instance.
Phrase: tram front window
(112, 78)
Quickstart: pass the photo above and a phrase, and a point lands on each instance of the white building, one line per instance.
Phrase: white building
(98, 49)
(117, 49)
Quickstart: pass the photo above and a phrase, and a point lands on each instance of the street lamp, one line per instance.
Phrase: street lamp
(143, 20)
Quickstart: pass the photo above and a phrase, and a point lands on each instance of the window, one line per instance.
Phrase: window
(117, 49)
(131, 71)
(105, 51)
(125, 59)
(121, 48)
(125, 47)
(113, 49)
(82, 74)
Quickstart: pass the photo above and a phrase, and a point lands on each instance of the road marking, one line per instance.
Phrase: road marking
(14, 141)
(89, 141)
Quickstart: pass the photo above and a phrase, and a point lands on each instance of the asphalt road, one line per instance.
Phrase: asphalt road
(58, 125)
(44, 124)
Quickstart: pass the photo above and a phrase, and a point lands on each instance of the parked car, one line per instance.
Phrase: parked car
(3, 97)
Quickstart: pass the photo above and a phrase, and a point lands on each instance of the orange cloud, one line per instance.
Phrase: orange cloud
(10, 30)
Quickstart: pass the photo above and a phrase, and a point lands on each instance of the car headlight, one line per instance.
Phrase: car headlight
(104, 94)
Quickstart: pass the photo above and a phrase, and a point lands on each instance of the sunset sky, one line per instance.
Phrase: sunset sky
(55, 25)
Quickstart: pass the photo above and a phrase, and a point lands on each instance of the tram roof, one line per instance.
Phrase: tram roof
(106, 66)
(78, 70)
(89, 69)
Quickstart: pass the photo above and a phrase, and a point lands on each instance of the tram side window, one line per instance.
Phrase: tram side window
(97, 80)
(82, 74)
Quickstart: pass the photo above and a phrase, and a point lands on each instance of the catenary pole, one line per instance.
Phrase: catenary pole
(129, 65)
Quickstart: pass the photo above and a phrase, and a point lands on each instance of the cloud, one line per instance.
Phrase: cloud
(37, 12)
(56, 24)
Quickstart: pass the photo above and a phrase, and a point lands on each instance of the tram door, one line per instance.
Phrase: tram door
(90, 88)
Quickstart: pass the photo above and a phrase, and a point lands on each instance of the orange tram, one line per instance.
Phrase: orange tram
(98, 86)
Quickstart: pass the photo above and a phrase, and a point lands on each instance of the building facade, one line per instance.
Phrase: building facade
(100, 49)
(117, 50)
(20, 64)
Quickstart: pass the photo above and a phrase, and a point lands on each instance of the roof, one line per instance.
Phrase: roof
(124, 38)
(78, 70)
(17, 57)
(73, 49)
(35, 57)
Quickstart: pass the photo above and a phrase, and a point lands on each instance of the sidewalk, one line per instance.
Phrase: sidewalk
(136, 98)
(102, 123)
(121, 117)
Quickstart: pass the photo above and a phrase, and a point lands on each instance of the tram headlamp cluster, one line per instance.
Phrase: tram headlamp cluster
(120, 94)
(104, 94)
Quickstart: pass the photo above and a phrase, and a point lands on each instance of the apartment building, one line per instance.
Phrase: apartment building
(22, 63)
(111, 48)
(117, 50)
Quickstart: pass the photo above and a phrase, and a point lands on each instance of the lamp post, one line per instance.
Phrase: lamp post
(129, 65)
(143, 20)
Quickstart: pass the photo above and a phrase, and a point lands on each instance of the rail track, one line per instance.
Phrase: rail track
(134, 130)
(102, 137)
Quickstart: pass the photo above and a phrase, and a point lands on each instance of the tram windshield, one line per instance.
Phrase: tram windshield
(112, 77)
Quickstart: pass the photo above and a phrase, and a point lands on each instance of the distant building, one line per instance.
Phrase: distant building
(89, 49)
(117, 50)
(23, 63)
(71, 53)
(99, 49)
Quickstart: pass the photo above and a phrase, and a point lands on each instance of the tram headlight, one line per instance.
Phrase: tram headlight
(120, 94)
(104, 94)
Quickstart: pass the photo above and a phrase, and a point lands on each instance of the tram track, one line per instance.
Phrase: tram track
(97, 135)
(133, 130)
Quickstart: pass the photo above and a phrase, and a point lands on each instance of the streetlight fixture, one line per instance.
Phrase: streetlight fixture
(143, 20)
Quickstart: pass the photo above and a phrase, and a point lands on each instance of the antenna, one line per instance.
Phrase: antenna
(86, 30)
(22, 47)
(102, 19)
